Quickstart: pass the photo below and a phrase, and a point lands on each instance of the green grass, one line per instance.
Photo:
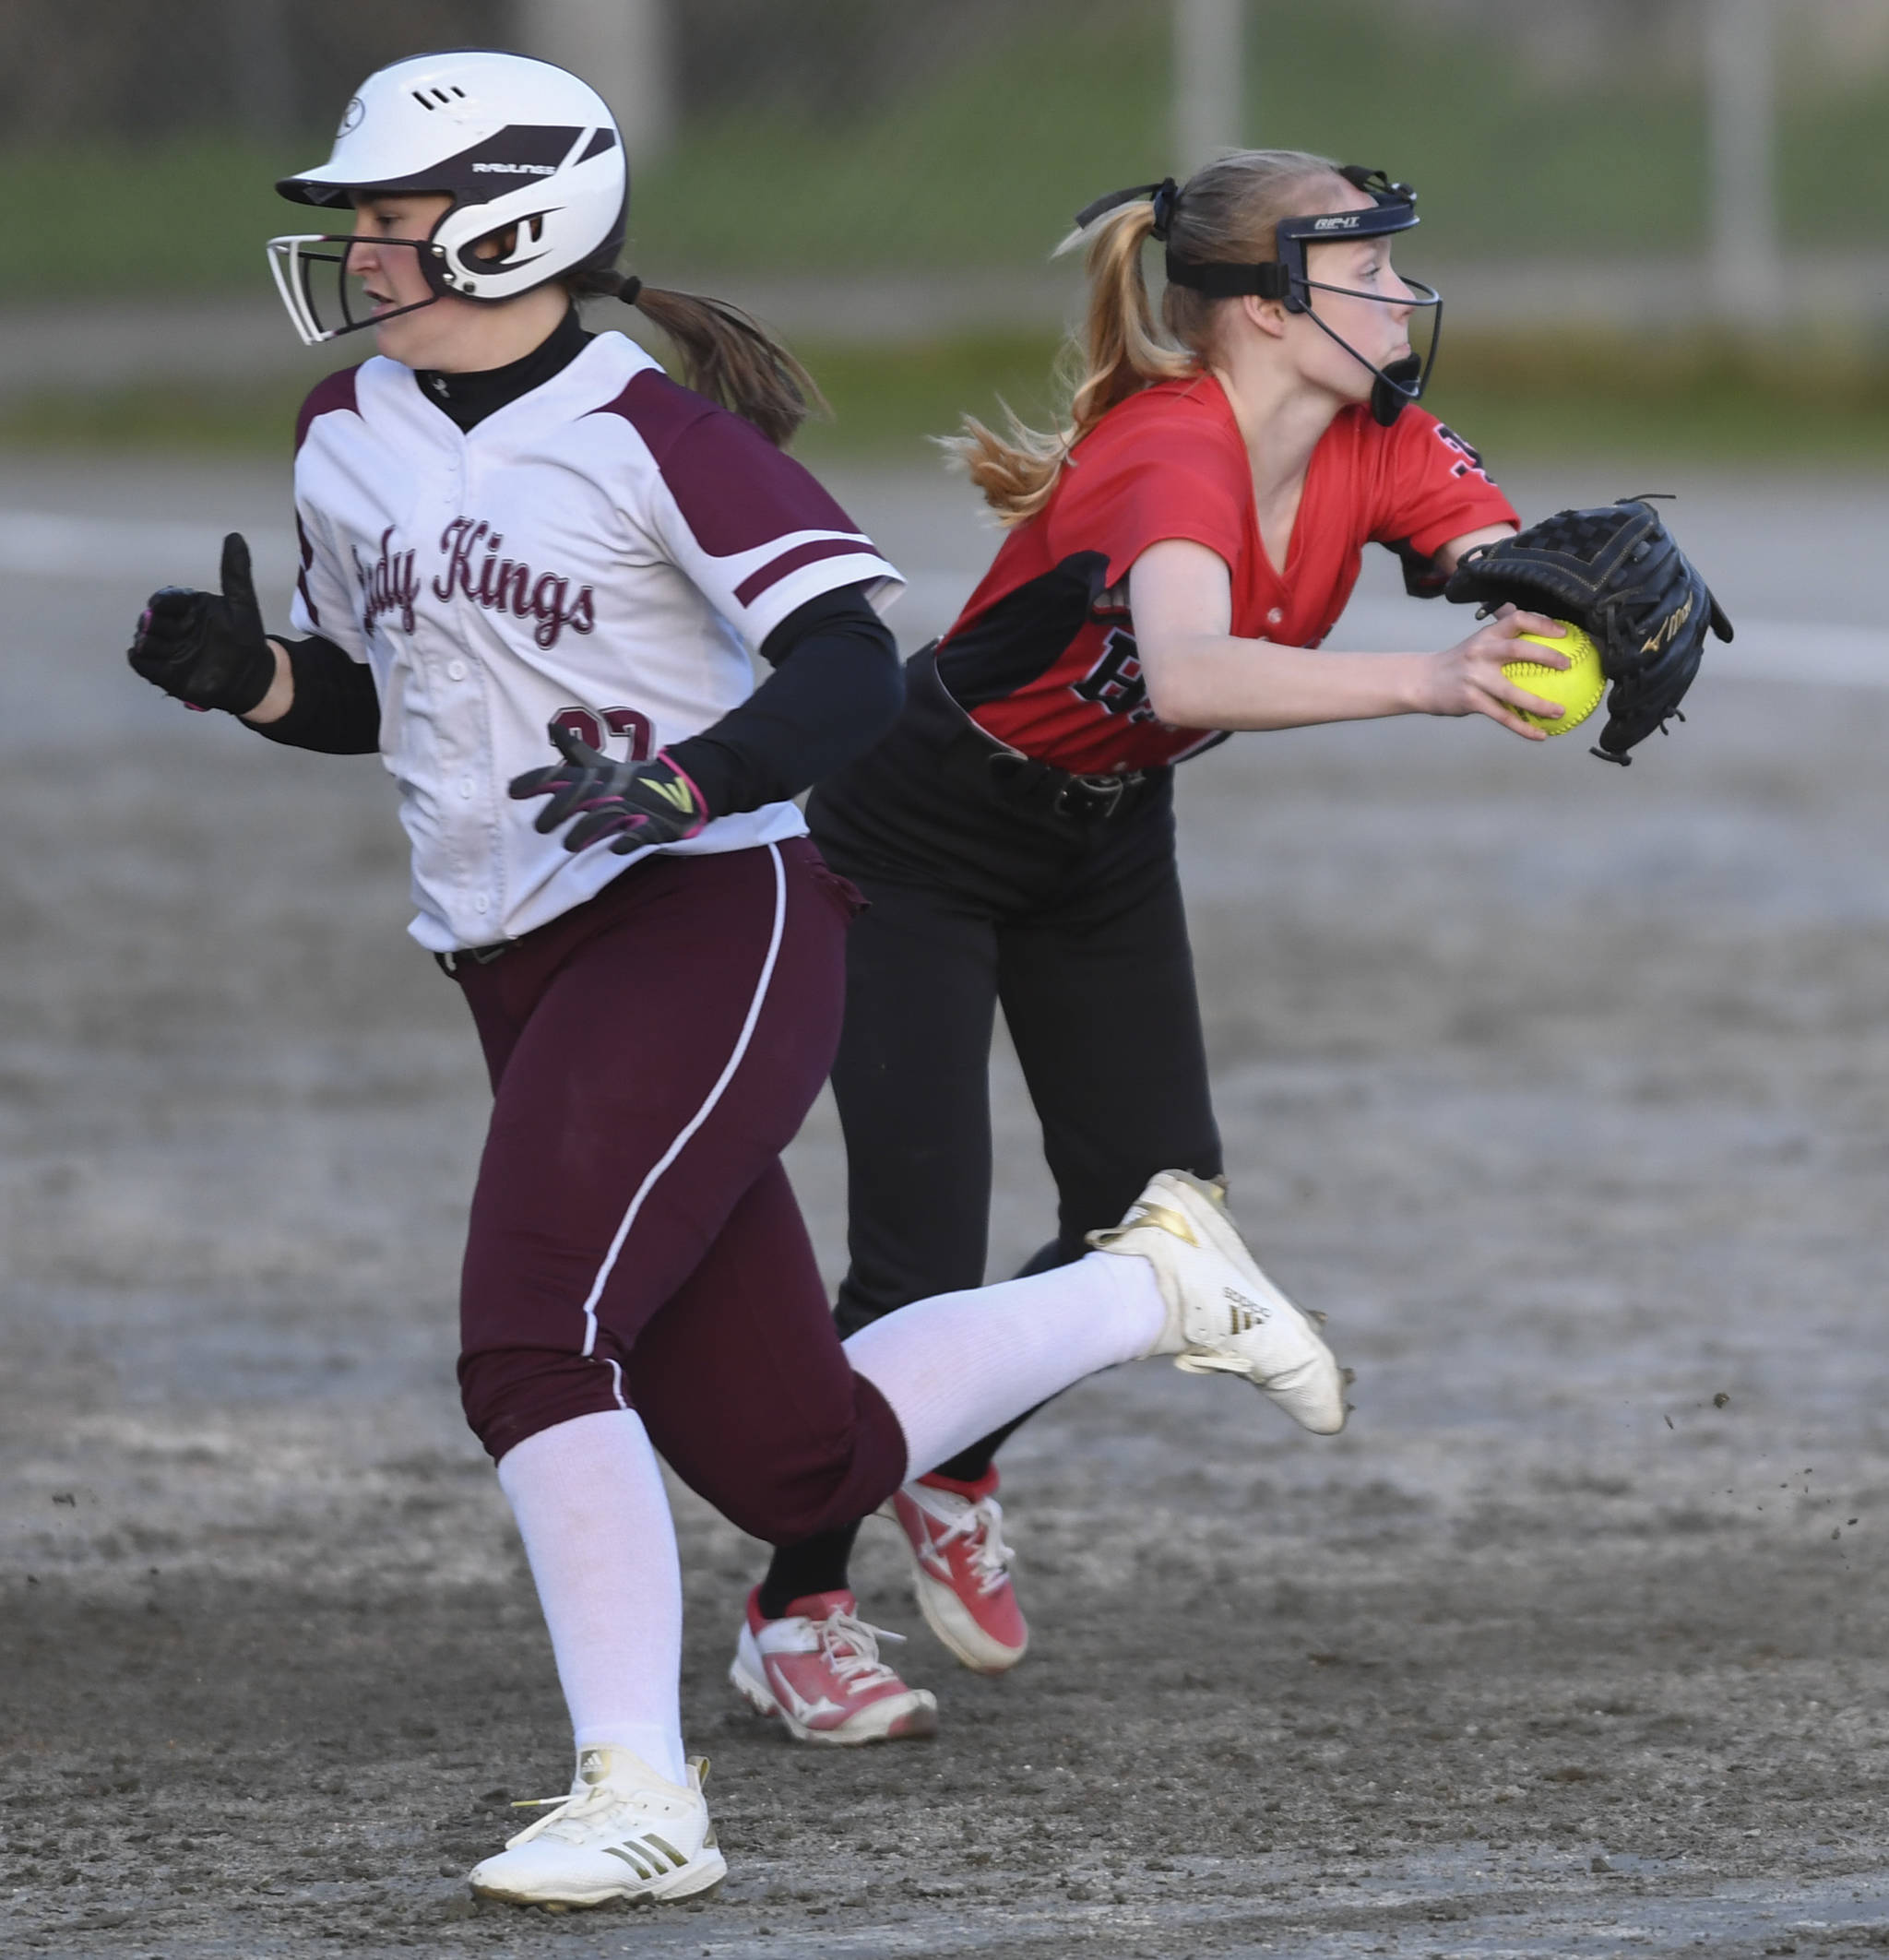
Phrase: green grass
(180, 417)
(980, 162)
(1684, 398)
(886, 403)
(179, 218)
(1693, 398)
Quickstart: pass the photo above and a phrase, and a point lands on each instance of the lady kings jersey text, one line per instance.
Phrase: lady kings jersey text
(474, 569)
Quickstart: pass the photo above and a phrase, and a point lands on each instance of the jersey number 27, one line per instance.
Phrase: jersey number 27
(589, 728)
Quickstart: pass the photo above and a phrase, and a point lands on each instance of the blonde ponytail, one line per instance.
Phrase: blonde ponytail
(1226, 211)
(1119, 350)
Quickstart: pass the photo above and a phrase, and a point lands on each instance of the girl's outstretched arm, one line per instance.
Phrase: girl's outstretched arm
(1199, 675)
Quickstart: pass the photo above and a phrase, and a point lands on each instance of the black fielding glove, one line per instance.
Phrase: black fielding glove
(207, 650)
(634, 804)
(1619, 575)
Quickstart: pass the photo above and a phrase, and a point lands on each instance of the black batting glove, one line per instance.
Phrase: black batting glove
(207, 650)
(634, 804)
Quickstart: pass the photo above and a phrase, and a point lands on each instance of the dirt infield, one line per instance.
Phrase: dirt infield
(1562, 1088)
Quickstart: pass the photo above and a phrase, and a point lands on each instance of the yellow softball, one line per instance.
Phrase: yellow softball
(1578, 687)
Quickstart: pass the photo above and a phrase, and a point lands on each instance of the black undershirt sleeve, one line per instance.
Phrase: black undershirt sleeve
(336, 708)
(837, 687)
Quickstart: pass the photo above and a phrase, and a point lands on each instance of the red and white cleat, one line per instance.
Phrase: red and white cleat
(818, 1667)
(960, 1568)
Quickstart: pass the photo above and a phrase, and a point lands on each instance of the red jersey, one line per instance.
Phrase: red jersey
(1043, 656)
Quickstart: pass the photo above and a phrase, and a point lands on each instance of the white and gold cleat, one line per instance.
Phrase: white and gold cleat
(623, 1832)
(1224, 1315)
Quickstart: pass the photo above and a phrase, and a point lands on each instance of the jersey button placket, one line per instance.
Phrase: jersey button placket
(477, 759)
(439, 657)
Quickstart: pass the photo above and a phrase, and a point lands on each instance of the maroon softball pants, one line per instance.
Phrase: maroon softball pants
(634, 1240)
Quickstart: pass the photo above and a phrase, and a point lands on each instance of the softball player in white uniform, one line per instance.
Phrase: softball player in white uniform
(532, 569)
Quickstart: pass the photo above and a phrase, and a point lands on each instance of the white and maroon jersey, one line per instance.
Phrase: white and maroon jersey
(603, 552)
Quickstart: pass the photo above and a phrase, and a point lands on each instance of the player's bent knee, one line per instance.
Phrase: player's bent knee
(786, 1515)
(778, 1523)
(509, 1394)
(784, 1491)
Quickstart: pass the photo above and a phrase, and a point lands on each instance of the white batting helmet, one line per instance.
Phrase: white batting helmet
(529, 155)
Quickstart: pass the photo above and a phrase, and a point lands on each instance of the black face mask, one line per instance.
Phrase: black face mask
(1397, 383)
(1393, 208)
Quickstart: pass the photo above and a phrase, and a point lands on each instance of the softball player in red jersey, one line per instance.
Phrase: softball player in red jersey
(1172, 557)
(532, 569)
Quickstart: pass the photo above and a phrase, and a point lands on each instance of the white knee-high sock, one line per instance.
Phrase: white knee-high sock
(591, 1509)
(957, 1365)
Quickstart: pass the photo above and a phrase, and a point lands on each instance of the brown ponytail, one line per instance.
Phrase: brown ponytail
(726, 355)
(1226, 211)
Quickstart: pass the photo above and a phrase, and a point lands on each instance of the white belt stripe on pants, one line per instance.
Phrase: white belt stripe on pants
(694, 1123)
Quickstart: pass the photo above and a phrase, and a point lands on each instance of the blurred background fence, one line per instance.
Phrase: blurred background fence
(896, 172)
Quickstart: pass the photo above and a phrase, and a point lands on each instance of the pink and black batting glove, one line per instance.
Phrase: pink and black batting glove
(632, 804)
(208, 649)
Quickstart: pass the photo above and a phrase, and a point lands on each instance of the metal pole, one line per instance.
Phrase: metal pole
(262, 68)
(1208, 55)
(1741, 83)
(623, 49)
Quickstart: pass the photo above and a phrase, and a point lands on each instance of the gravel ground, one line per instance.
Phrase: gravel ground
(1562, 1088)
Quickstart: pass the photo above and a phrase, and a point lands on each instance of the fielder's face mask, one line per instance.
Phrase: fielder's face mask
(1393, 208)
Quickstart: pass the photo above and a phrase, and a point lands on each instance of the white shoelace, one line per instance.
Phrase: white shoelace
(573, 1808)
(851, 1649)
(981, 1527)
(577, 1806)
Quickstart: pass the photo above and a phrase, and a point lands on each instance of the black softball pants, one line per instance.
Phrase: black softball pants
(980, 895)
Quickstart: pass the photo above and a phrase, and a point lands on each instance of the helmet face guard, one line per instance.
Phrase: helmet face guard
(303, 271)
(314, 281)
(1285, 278)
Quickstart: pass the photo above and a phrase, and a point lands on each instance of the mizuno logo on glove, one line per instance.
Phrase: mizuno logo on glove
(1618, 574)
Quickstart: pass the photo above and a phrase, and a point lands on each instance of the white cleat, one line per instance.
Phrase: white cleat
(623, 1833)
(1224, 1315)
